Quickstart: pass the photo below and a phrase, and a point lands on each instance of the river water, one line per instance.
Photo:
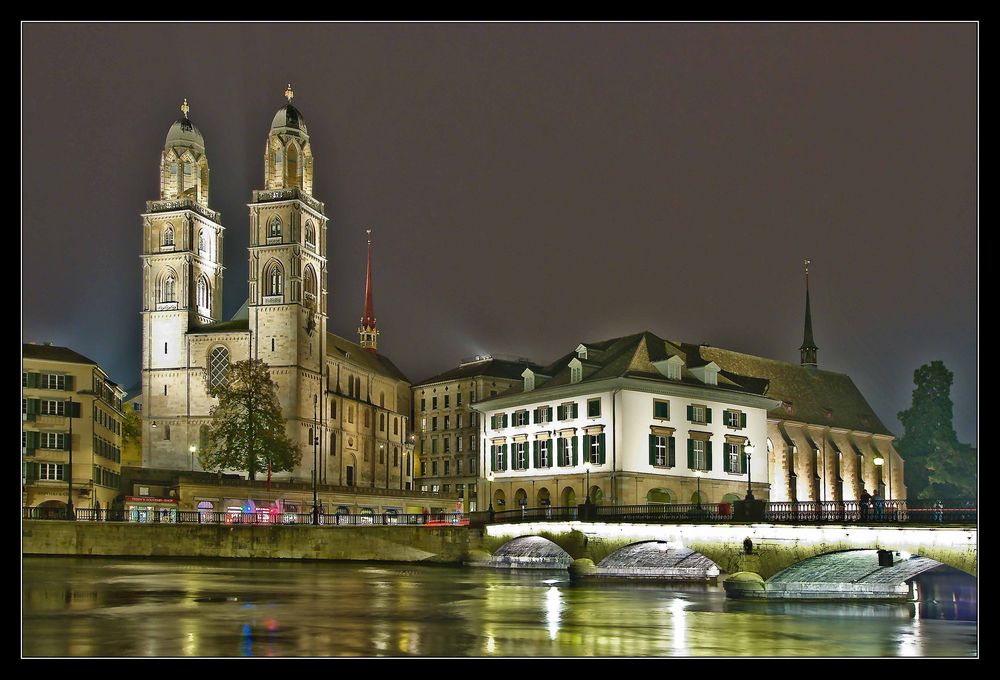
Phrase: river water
(166, 608)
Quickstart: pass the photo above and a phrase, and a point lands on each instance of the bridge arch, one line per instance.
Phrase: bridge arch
(658, 559)
(531, 552)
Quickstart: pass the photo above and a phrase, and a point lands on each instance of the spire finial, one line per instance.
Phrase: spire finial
(185, 108)
(289, 93)
(808, 349)
(368, 332)
(369, 232)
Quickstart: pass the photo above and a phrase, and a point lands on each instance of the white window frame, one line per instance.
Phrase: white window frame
(699, 454)
(695, 410)
(51, 472)
(595, 449)
(732, 415)
(52, 440)
(543, 453)
(661, 451)
(733, 454)
(58, 410)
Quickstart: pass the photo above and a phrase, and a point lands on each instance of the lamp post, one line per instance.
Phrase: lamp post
(880, 461)
(192, 449)
(586, 466)
(315, 462)
(698, 475)
(748, 449)
(489, 478)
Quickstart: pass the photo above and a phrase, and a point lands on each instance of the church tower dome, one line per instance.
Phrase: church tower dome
(288, 160)
(183, 164)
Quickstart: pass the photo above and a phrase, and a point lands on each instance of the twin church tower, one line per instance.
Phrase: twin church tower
(340, 396)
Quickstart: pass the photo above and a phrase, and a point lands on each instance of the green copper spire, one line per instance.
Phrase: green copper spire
(808, 349)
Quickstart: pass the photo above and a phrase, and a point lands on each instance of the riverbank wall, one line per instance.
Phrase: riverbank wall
(437, 544)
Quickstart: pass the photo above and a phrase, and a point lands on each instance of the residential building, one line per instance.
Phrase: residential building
(652, 420)
(448, 428)
(70, 411)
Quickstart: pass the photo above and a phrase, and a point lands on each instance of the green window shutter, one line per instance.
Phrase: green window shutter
(33, 380)
(75, 409)
(708, 455)
(690, 453)
(505, 459)
(560, 448)
(535, 453)
(725, 460)
(576, 411)
(600, 447)
(743, 420)
(561, 412)
(575, 438)
(652, 449)
(69, 383)
(743, 461)
(708, 415)
(671, 452)
(32, 407)
(548, 413)
(493, 422)
(493, 458)
(586, 448)
(30, 472)
(31, 442)
(690, 412)
(505, 423)
(67, 442)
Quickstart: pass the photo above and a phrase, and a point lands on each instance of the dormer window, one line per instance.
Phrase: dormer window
(529, 379)
(575, 371)
(581, 352)
(708, 374)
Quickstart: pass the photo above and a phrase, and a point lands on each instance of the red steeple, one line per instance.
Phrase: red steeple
(367, 332)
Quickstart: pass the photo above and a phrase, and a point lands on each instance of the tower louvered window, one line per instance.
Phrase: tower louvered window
(274, 228)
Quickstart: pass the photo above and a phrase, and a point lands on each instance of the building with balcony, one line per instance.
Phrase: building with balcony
(70, 411)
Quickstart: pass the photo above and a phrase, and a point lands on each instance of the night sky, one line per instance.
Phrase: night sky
(534, 186)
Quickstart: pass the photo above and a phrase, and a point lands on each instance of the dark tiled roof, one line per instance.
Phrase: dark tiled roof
(493, 368)
(817, 397)
(223, 327)
(342, 347)
(54, 353)
(632, 356)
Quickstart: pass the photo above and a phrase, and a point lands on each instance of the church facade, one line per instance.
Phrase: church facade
(344, 404)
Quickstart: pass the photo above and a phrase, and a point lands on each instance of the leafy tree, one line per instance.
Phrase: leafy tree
(937, 464)
(248, 431)
(132, 426)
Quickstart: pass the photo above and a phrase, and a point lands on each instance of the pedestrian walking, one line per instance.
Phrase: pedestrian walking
(939, 512)
(877, 505)
(864, 502)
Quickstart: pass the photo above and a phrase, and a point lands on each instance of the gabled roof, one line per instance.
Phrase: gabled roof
(353, 352)
(816, 396)
(492, 368)
(633, 356)
(54, 353)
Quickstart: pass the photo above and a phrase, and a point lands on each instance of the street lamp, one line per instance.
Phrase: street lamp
(698, 475)
(879, 461)
(489, 478)
(192, 449)
(748, 449)
(586, 466)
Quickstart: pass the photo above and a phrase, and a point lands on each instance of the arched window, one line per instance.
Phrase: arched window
(350, 385)
(395, 456)
(381, 399)
(366, 418)
(309, 285)
(333, 444)
(274, 227)
(168, 235)
(273, 279)
(203, 292)
(310, 234)
(202, 243)
(168, 288)
(659, 496)
(395, 425)
(218, 366)
(381, 422)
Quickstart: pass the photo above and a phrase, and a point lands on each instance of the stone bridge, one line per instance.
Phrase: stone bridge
(775, 547)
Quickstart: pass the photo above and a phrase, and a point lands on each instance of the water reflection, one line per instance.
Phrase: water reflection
(104, 607)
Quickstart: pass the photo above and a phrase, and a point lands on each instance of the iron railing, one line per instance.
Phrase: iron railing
(921, 512)
(171, 516)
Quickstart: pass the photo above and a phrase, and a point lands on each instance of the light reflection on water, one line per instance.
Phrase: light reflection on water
(108, 607)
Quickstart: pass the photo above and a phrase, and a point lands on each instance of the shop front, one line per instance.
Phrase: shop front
(148, 509)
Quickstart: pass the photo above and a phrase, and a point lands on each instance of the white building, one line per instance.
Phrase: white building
(656, 422)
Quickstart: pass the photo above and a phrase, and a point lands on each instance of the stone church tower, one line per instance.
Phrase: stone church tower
(287, 295)
(181, 266)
